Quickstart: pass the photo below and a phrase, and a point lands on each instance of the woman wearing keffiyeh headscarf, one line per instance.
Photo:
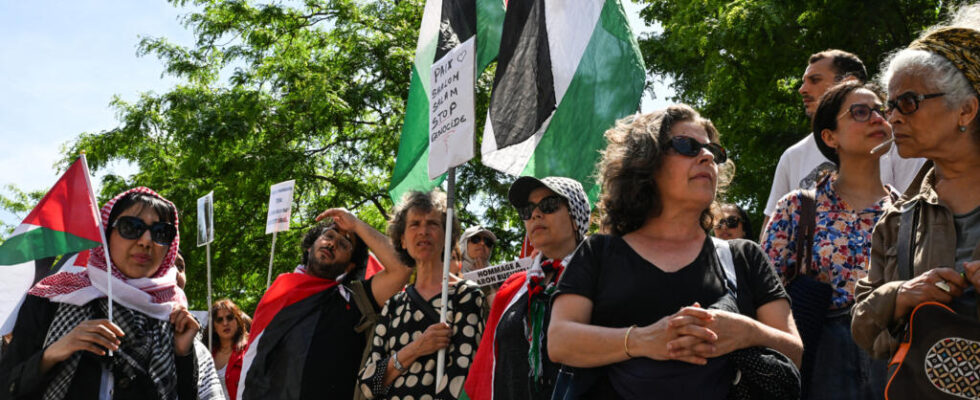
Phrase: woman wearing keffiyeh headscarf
(512, 361)
(64, 346)
(933, 100)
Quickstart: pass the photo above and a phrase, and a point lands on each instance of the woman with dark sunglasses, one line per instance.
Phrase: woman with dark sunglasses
(848, 124)
(64, 345)
(228, 340)
(933, 88)
(634, 301)
(732, 222)
(512, 361)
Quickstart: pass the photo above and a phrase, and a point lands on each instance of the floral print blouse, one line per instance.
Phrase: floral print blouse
(841, 238)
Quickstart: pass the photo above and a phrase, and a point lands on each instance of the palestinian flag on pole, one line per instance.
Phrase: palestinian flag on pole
(565, 73)
(445, 24)
(64, 221)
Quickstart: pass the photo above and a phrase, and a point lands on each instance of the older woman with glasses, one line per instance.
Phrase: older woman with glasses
(631, 301)
(848, 124)
(512, 361)
(926, 248)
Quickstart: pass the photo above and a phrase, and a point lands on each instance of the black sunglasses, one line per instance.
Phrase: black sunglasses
(908, 102)
(129, 227)
(477, 239)
(862, 112)
(218, 320)
(547, 205)
(731, 222)
(691, 147)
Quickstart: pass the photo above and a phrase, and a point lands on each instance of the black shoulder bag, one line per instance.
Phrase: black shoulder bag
(810, 297)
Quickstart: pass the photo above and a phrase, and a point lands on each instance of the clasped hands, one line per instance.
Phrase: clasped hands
(692, 335)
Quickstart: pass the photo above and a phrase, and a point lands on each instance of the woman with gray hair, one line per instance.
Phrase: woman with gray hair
(631, 301)
(926, 247)
(402, 362)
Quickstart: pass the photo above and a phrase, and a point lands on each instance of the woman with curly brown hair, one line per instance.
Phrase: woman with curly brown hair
(630, 301)
(229, 337)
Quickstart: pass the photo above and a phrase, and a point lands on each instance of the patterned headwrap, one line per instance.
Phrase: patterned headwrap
(961, 46)
(155, 296)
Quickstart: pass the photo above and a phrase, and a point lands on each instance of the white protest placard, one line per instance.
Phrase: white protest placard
(451, 109)
(280, 207)
(498, 273)
(205, 219)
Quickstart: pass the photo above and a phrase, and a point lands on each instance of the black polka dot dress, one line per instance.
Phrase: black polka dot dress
(401, 323)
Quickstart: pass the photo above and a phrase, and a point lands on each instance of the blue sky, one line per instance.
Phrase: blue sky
(61, 62)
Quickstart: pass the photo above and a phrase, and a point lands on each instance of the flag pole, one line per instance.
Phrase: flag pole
(272, 254)
(105, 243)
(207, 253)
(446, 259)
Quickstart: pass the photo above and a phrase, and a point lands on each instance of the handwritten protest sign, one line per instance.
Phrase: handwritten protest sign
(451, 109)
(498, 273)
(280, 207)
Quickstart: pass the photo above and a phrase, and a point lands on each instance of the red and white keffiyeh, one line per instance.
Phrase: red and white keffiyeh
(155, 296)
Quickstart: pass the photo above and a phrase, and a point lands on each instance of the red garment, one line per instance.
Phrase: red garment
(286, 290)
(233, 369)
(479, 380)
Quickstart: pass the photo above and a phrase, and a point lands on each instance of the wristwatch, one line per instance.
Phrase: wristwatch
(401, 368)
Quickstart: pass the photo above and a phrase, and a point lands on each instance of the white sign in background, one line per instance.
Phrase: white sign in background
(451, 109)
(205, 219)
(498, 273)
(280, 207)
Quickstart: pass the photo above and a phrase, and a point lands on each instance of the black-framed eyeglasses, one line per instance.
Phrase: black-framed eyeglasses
(908, 102)
(129, 227)
(862, 112)
(547, 205)
(487, 241)
(731, 222)
(691, 147)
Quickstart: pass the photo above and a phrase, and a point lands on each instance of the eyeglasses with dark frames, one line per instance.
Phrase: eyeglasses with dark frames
(691, 147)
(547, 205)
(130, 227)
(477, 239)
(908, 102)
(862, 112)
(731, 222)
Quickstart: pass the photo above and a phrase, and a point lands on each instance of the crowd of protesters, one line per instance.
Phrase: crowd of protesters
(873, 213)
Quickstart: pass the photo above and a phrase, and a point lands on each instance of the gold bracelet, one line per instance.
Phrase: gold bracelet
(626, 341)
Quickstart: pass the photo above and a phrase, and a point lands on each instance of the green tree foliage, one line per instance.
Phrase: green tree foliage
(740, 63)
(313, 91)
(18, 203)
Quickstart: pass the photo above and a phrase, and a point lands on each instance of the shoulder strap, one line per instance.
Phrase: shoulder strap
(365, 304)
(724, 252)
(423, 305)
(906, 239)
(804, 234)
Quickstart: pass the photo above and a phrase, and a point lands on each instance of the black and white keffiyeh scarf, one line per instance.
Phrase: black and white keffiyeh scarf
(146, 349)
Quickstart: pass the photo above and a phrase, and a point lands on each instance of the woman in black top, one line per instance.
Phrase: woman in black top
(62, 335)
(633, 300)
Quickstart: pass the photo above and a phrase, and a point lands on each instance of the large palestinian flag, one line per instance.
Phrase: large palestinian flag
(445, 24)
(567, 70)
(64, 221)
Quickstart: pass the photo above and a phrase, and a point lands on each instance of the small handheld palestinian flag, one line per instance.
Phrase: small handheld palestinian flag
(64, 221)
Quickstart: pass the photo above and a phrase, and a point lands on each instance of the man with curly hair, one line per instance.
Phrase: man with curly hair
(310, 327)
